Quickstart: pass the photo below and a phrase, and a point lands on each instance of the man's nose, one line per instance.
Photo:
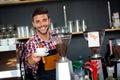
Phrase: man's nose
(41, 23)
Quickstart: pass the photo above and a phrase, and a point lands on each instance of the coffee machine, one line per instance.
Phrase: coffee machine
(64, 65)
(95, 39)
(115, 42)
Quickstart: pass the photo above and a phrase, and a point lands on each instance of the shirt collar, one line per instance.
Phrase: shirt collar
(39, 39)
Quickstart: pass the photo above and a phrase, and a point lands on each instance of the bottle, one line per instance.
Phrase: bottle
(84, 26)
(81, 60)
(81, 70)
(78, 69)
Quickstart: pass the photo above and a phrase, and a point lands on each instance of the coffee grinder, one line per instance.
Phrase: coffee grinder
(64, 65)
(116, 52)
(95, 40)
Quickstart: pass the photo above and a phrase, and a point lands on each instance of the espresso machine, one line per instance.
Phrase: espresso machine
(95, 40)
(116, 52)
(64, 65)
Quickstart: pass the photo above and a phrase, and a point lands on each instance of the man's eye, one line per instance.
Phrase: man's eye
(45, 20)
(37, 21)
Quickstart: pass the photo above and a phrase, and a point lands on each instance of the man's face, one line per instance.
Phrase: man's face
(41, 23)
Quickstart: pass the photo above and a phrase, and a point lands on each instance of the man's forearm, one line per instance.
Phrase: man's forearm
(31, 61)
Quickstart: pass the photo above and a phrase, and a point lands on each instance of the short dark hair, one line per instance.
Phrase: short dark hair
(39, 10)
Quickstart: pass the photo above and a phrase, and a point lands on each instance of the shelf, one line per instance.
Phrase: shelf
(7, 48)
(75, 33)
(22, 38)
(107, 30)
(113, 29)
(23, 2)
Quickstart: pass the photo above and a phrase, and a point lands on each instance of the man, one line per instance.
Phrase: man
(37, 67)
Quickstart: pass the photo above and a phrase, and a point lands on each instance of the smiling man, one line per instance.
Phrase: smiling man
(39, 67)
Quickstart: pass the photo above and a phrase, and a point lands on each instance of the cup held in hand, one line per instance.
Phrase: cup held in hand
(41, 52)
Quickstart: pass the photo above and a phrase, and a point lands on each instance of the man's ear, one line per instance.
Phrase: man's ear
(33, 24)
(49, 21)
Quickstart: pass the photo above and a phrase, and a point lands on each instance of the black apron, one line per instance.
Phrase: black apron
(41, 73)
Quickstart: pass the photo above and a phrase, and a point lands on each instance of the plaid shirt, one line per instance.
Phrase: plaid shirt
(30, 48)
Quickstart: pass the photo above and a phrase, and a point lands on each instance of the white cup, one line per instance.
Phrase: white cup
(41, 52)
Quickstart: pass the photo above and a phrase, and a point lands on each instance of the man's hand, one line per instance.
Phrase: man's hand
(33, 59)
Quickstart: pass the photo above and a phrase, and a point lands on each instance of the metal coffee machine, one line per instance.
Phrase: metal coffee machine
(64, 65)
(95, 40)
(116, 53)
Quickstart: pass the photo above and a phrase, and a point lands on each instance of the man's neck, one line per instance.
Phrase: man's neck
(45, 37)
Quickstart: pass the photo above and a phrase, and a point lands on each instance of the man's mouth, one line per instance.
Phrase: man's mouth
(42, 28)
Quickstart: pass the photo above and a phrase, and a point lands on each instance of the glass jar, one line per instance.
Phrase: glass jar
(10, 27)
(14, 34)
(3, 35)
(3, 28)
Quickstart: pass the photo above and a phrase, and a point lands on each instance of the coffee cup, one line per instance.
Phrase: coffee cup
(41, 52)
